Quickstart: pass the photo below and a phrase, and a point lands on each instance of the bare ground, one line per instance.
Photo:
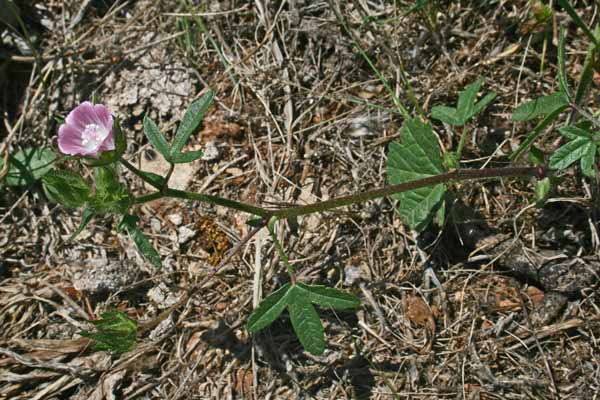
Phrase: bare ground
(501, 302)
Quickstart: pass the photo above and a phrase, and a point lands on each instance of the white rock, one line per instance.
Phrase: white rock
(176, 219)
(185, 234)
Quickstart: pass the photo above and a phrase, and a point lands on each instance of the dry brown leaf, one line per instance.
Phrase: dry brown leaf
(419, 313)
(243, 382)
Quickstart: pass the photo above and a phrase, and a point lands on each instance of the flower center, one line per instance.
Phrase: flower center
(93, 135)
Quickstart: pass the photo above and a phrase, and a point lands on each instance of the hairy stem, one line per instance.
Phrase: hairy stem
(296, 211)
(456, 175)
(220, 201)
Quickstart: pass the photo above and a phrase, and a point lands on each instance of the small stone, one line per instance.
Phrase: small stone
(352, 274)
(570, 277)
(552, 305)
(162, 296)
(162, 328)
(211, 152)
(155, 225)
(176, 219)
(185, 234)
(99, 276)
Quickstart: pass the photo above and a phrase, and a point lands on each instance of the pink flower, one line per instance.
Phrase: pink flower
(87, 131)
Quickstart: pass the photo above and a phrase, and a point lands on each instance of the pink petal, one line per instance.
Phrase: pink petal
(71, 134)
(69, 141)
(103, 116)
(82, 115)
(108, 144)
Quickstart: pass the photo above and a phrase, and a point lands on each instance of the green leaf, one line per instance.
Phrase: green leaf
(440, 214)
(542, 190)
(562, 71)
(573, 132)
(446, 115)
(479, 107)
(190, 156)
(129, 223)
(328, 297)
(569, 153)
(111, 196)
(269, 309)
(256, 222)
(569, 9)
(416, 157)
(536, 132)
(192, 118)
(588, 159)
(28, 165)
(306, 324)
(106, 178)
(587, 74)
(541, 106)
(66, 188)
(115, 332)
(416, 207)
(536, 156)
(466, 100)
(86, 217)
(157, 180)
(156, 138)
(450, 161)
(466, 107)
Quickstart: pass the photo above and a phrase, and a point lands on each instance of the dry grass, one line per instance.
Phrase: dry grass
(299, 116)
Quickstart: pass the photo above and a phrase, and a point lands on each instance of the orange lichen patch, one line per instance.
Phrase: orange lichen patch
(212, 239)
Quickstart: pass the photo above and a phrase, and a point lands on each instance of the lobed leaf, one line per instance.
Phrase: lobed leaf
(536, 132)
(572, 132)
(187, 157)
(111, 196)
(306, 323)
(467, 106)
(587, 75)
(115, 332)
(269, 309)
(328, 297)
(588, 159)
(28, 165)
(192, 118)
(445, 114)
(129, 223)
(479, 107)
(156, 180)
(156, 138)
(66, 187)
(570, 152)
(466, 100)
(541, 106)
(562, 70)
(417, 206)
(416, 157)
